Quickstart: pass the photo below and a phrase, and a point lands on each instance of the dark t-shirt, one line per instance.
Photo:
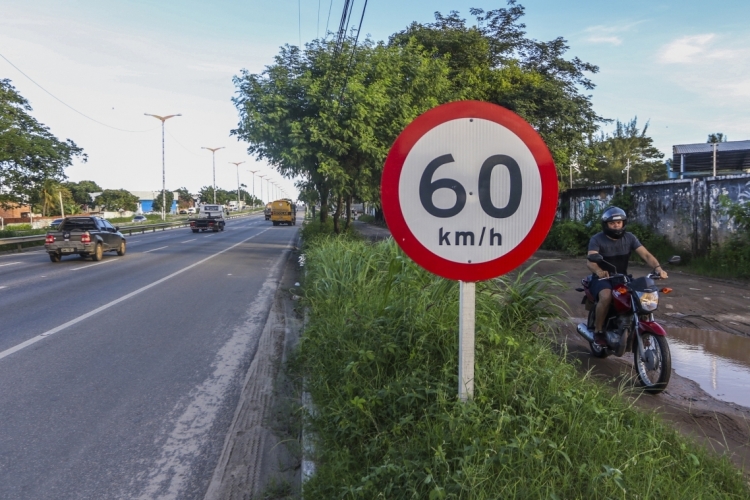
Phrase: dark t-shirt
(616, 252)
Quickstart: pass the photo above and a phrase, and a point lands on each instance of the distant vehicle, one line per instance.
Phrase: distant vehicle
(267, 211)
(85, 236)
(191, 210)
(55, 223)
(283, 212)
(210, 217)
(139, 218)
(183, 211)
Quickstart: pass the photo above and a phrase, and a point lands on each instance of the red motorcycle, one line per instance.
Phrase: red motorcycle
(630, 325)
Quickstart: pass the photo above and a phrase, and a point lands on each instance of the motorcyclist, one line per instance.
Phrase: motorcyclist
(615, 245)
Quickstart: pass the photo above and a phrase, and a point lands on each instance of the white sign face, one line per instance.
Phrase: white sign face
(470, 190)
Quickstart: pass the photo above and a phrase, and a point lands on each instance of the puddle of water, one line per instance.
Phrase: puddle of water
(719, 362)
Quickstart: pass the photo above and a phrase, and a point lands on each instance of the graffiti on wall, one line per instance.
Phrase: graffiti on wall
(593, 205)
(744, 195)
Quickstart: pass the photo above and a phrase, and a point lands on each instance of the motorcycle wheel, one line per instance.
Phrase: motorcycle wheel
(656, 367)
(596, 350)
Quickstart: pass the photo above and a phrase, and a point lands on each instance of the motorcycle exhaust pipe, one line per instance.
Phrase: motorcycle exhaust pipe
(584, 332)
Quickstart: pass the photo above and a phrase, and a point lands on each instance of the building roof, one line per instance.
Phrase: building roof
(730, 157)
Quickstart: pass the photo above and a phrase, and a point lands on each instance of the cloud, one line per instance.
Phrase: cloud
(714, 66)
(603, 34)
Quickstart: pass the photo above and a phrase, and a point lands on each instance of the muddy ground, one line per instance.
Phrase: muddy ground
(695, 302)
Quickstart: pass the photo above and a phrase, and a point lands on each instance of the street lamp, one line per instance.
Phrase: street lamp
(261, 188)
(213, 158)
(163, 174)
(253, 172)
(237, 164)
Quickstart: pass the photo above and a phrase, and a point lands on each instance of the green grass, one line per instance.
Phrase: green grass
(380, 358)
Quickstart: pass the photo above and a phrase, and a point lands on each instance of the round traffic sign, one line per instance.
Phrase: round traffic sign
(469, 190)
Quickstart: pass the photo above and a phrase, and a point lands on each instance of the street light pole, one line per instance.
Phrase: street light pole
(213, 159)
(253, 172)
(163, 171)
(237, 164)
(261, 188)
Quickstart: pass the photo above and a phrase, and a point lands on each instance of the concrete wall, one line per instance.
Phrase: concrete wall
(686, 211)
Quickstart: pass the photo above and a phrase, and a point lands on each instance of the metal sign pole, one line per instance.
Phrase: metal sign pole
(466, 323)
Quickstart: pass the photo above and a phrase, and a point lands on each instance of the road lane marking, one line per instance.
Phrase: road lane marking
(77, 320)
(187, 241)
(1, 287)
(155, 249)
(92, 265)
(9, 264)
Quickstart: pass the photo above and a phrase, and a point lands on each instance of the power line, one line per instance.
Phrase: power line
(180, 144)
(330, 6)
(354, 49)
(299, 21)
(71, 107)
(317, 26)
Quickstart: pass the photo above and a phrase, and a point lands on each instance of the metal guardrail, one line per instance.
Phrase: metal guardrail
(19, 240)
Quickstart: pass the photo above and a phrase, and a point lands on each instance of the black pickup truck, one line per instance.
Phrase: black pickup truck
(84, 236)
(210, 217)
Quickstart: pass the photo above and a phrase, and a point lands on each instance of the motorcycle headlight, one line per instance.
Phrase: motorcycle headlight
(649, 300)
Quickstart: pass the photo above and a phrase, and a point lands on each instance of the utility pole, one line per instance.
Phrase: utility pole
(62, 210)
(715, 145)
(627, 176)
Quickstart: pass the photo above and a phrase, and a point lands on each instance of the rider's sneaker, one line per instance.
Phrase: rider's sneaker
(600, 339)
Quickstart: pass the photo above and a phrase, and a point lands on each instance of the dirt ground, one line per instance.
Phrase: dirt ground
(695, 302)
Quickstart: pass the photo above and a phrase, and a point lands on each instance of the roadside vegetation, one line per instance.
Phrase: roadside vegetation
(379, 355)
(729, 260)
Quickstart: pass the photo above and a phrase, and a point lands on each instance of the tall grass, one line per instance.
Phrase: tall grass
(380, 357)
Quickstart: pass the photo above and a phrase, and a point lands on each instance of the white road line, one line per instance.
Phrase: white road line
(92, 265)
(187, 241)
(72, 322)
(1, 287)
(155, 249)
(9, 264)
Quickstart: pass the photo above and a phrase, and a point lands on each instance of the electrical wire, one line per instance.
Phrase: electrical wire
(180, 144)
(71, 107)
(330, 6)
(299, 21)
(317, 26)
(354, 49)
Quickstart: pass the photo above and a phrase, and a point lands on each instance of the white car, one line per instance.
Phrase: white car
(191, 210)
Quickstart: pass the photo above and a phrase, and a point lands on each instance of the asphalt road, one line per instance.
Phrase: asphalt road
(119, 378)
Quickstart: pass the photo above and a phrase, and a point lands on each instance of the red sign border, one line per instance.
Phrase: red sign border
(392, 207)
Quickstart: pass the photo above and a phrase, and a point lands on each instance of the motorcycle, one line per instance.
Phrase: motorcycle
(630, 325)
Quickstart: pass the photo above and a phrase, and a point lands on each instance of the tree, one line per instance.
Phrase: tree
(607, 156)
(329, 114)
(223, 196)
(29, 153)
(168, 197)
(47, 199)
(717, 137)
(81, 191)
(117, 199)
(184, 198)
(494, 61)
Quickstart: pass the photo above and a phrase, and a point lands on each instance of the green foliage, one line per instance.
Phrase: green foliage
(168, 199)
(366, 218)
(80, 191)
(313, 232)
(206, 194)
(571, 237)
(29, 153)
(380, 359)
(606, 158)
(717, 137)
(117, 199)
(494, 61)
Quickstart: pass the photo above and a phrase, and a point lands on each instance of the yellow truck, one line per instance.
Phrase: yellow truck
(282, 212)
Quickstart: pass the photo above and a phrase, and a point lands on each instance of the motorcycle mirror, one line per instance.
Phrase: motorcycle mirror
(675, 259)
(595, 257)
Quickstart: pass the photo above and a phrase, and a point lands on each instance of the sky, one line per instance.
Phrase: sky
(677, 65)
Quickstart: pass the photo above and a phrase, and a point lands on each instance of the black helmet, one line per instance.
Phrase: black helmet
(613, 214)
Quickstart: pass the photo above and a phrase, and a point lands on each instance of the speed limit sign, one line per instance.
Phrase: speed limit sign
(469, 190)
